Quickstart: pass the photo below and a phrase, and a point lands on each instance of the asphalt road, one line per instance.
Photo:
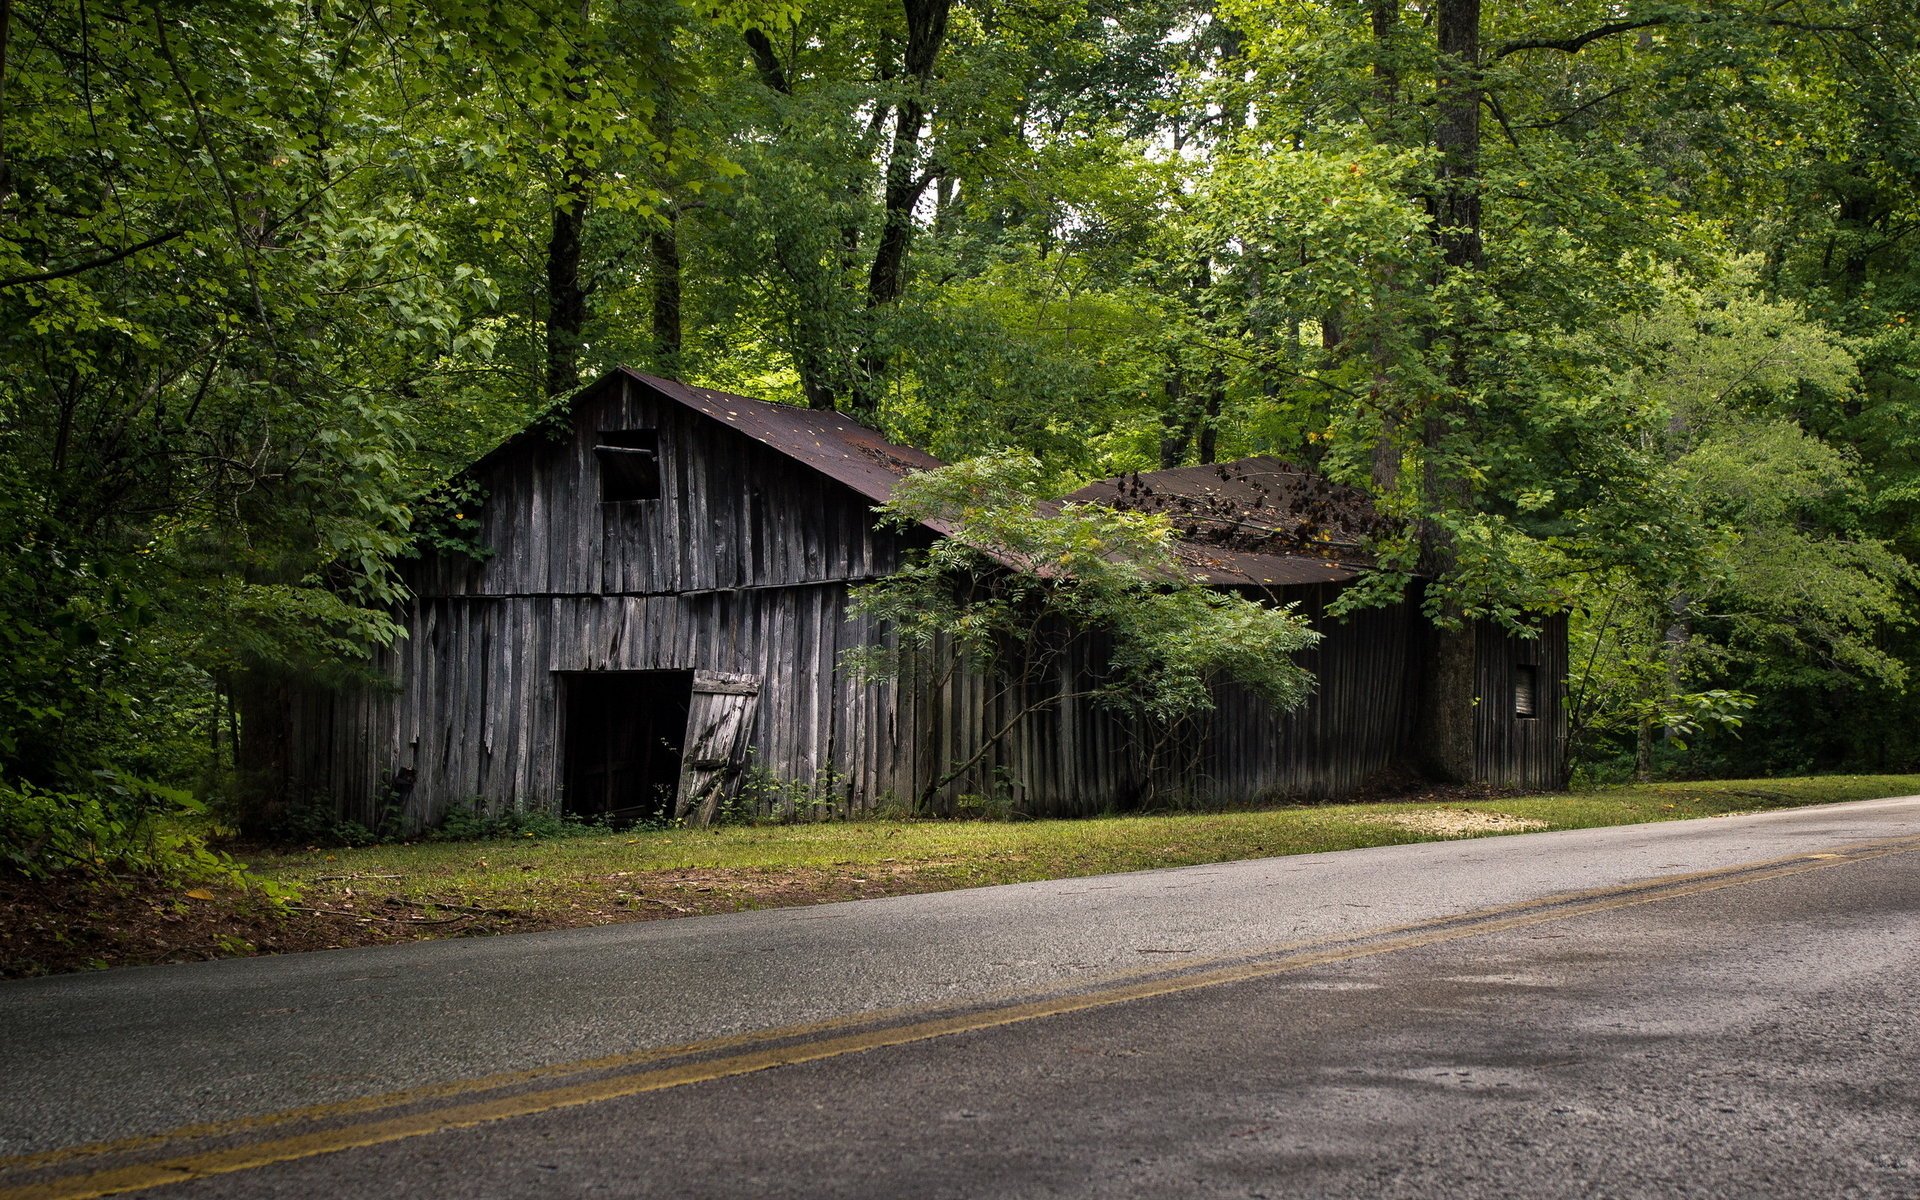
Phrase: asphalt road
(1521, 1016)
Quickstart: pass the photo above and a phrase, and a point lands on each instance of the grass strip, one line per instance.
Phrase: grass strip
(595, 878)
(384, 894)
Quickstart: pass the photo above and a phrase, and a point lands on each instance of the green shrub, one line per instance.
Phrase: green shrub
(765, 796)
(467, 823)
(315, 824)
(122, 825)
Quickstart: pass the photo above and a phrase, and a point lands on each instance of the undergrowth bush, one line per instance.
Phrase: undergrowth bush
(466, 823)
(765, 797)
(316, 824)
(121, 826)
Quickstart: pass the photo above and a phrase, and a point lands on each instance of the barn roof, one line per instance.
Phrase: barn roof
(834, 445)
(1257, 522)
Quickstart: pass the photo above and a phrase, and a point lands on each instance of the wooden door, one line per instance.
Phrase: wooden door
(718, 723)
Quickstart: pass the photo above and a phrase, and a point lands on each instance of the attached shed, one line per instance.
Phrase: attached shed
(661, 623)
(1279, 531)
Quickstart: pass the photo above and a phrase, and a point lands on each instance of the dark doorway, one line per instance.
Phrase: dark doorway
(625, 731)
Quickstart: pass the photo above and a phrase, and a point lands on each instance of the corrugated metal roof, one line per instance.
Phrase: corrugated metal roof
(836, 446)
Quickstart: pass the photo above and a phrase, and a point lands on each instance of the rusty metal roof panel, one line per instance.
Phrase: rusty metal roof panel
(1256, 522)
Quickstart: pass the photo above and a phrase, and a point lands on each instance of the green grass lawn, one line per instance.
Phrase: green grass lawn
(593, 878)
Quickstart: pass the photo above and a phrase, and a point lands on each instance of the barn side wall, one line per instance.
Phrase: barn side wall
(478, 717)
(1355, 728)
(478, 713)
(1075, 758)
(303, 745)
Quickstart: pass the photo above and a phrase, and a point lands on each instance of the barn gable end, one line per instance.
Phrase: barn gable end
(733, 511)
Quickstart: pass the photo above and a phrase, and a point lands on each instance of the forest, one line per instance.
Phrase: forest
(1611, 306)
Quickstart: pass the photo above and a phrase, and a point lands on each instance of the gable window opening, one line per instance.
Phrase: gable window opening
(629, 465)
(1526, 690)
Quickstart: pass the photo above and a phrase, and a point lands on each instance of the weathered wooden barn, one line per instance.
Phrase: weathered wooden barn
(662, 619)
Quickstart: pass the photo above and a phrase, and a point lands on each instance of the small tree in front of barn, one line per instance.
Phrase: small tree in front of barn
(1053, 603)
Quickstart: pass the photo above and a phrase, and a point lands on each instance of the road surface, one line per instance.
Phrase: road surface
(1719, 1007)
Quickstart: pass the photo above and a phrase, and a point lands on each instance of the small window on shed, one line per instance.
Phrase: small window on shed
(629, 464)
(1526, 691)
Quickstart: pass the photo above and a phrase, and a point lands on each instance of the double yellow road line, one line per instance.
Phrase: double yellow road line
(198, 1152)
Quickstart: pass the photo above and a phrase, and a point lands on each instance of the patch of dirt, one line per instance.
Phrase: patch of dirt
(57, 926)
(1457, 822)
(48, 927)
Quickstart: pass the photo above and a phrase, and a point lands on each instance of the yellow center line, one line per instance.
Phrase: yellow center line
(640, 1073)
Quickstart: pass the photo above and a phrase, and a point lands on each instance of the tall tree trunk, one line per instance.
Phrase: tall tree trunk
(887, 279)
(1673, 649)
(1857, 212)
(1176, 425)
(1210, 414)
(1456, 135)
(1444, 724)
(926, 31)
(566, 297)
(1332, 329)
(810, 341)
(767, 63)
(663, 241)
(665, 247)
(1385, 471)
(1385, 18)
(1206, 415)
(1192, 413)
(810, 359)
(1449, 708)
(946, 205)
(6, 170)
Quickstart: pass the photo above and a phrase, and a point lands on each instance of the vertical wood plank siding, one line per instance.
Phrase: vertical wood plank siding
(1510, 750)
(745, 567)
(493, 737)
(733, 514)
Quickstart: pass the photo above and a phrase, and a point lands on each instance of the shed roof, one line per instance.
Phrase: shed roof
(1259, 520)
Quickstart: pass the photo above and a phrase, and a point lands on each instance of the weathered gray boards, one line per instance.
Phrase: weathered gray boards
(661, 624)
